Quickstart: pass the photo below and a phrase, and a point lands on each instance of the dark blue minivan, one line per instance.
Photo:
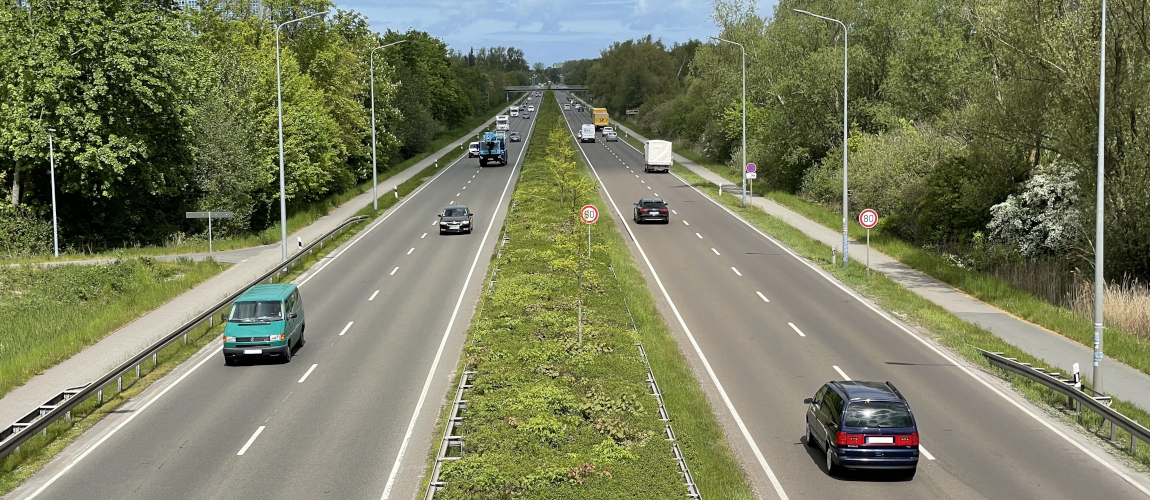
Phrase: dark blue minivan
(862, 425)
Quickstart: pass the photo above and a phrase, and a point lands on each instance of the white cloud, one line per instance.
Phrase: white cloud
(547, 30)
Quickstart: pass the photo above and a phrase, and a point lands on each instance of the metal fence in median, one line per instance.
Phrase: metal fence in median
(1078, 397)
(61, 406)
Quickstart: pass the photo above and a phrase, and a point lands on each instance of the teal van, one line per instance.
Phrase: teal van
(266, 320)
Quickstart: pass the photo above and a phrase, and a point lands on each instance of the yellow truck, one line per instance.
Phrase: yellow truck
(601, 119)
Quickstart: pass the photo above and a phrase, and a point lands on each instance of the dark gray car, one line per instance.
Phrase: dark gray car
(455, 219)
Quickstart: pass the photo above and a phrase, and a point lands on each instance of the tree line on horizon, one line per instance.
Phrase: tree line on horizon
(973, 123)
(159, 110)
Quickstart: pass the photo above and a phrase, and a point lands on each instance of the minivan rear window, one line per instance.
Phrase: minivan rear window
(878, 414)
(261, 310)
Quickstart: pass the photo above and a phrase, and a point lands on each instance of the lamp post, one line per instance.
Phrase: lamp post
(845, 192)
(1099, 277)
(743, 168)
(52, 169)
(280, 111)
(374, 193)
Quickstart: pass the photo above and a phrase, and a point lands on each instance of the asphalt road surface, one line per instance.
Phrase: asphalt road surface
(769, 330)
(394, 301)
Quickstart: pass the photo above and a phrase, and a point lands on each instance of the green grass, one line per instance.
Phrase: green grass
(959, 336)
(1120, 345)
(299, 216)
(52, 312)
(38, 451)
(549, 417)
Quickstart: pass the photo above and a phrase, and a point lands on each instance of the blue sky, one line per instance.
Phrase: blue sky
(548, 31)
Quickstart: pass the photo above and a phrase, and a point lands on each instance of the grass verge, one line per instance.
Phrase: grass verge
(51, 313)
(1120, 345)
(959, 336)
(550, 417)
(38, 451)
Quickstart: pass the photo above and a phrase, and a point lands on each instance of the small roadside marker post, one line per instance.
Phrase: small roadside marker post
(396, 191)
(868, 218)
(209, 215)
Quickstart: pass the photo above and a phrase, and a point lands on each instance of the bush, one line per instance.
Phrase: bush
(23, 234)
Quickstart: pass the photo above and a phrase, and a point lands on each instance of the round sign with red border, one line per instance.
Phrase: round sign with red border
(589, 214)
(868, 218)
(751, 168)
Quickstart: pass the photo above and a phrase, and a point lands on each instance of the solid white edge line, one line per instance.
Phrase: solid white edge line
(369, 299)
(443, 342)
(391, 211)
(121, 425)
(393, 271)
(912, 334)
(793, 327)
(309, 370)
(698, 350)
(925, 453)
(841, 373)
(736, 271)
(764, 297)
(251, 440)
(346, 328)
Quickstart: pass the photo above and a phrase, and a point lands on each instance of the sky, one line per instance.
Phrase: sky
(548, 31)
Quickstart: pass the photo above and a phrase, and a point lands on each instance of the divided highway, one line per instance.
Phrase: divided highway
(768, 330)
(382, 311)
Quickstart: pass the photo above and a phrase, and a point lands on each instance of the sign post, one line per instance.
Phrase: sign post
(868, 218)
(589, 214)
(751, 175)
(209, 215)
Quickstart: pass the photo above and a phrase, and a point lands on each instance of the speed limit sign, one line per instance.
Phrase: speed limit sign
(868, 218)
(589, 214)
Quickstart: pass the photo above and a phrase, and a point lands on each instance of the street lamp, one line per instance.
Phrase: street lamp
(743, 168)
(52, 169)
(845, 192)
(374, 194)
(280, 110)
(1099, 278)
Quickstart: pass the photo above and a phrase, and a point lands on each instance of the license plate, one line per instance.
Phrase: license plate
(880, 440)
(260, 351)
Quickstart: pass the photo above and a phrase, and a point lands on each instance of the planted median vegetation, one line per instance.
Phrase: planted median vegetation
(553, 414)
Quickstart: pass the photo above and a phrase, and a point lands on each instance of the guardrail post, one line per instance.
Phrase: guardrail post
(100, 398)
(1113, 431)
(1133, 444)
(120, 384)
(155, 359)
(137, 371)
(185, 339)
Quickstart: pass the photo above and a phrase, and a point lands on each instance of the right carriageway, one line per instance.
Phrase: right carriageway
(764, 329)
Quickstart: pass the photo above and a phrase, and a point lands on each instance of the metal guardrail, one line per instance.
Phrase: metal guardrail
(61, 405)
(677, 454)
(1073, 390)
(451, 440)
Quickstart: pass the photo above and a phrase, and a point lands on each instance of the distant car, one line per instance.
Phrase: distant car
(455, 219)
(566, 107)
(608, 130)
(514, 137)
(862, 425)
(578, 107)
(652, 209)
(611, 137)
(526, 116)
(473, 150)
(531, 109)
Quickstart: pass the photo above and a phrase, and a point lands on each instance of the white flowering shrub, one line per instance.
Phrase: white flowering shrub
(1043, 219)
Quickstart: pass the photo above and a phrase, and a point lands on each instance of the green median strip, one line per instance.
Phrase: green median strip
(958, 335)
(38, 451)
(550, 416)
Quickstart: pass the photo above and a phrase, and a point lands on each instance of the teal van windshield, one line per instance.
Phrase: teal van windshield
(263, 310)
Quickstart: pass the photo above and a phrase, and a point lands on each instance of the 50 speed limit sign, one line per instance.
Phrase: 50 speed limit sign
(868, 218)
(589, 214)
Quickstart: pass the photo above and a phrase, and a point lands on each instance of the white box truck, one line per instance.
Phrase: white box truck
(657, 155)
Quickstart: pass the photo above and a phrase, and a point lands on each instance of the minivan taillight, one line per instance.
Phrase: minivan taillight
(843, 438)
(907, 440)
